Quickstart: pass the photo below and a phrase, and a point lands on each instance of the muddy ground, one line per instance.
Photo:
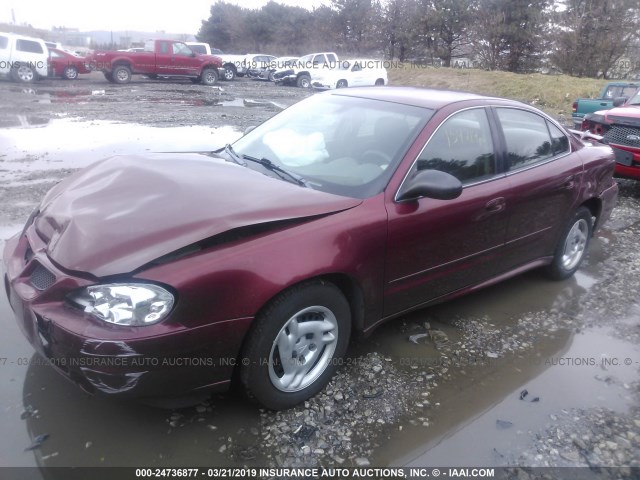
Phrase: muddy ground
(527, 373)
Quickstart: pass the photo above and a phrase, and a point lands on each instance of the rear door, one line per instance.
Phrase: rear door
(436, 247)
(545, 177)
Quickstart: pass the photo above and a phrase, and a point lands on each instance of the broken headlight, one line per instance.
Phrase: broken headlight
(134, 304)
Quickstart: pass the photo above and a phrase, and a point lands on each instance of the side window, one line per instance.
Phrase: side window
(164, 48)
(29, 46)
(462, 146)
(356, 67)
(318, 59)
(331, 58)
(559, 141)
(4, 42)
(181, 49)
(527, 137)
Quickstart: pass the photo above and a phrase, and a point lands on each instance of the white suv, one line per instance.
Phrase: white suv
(23, 58)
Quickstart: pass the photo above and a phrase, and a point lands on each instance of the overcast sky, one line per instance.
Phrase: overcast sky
(176, 17)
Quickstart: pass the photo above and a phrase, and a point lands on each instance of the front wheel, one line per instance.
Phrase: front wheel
(290, 352)
(572, 246)
(229, 73)
(304, 81)
(342, 84)
(209, 77)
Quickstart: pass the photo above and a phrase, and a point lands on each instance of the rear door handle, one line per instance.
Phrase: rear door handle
(569, 183)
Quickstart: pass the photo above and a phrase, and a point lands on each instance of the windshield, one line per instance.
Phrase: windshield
(344, 145)
(635, 100)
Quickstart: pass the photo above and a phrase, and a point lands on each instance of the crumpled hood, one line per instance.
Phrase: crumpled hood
(123, 212)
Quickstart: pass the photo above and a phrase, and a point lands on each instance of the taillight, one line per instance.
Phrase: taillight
(574, 107)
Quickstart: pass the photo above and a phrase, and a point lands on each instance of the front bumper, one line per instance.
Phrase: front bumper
(163, 360)
(627, 162)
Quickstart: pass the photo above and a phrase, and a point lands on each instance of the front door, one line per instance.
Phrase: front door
(436, 247)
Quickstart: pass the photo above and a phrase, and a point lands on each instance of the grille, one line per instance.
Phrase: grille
(41, 278)
(618, 136)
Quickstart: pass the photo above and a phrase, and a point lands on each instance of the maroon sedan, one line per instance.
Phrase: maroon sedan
(151, 276)
(65, 65)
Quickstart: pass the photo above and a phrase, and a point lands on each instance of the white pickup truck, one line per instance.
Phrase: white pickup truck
(352, 73)
(301, 71)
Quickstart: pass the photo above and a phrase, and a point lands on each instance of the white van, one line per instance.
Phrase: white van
(23, 58)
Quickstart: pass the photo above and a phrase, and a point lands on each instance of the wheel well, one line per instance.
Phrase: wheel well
(353, 293)
(349, 288)
(118, 63)
(300, 74)
(595, 207)
(380, 80)
(229, 64)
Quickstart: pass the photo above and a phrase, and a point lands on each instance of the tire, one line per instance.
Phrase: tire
(379, 82)
(271, 77)
(572, 246)
(209, 76)
(303, 81)
(23, 74)
(195, 80)
(152, 76)
(342, 84)
(325, 317)
(108, 76)
(121, 74)
(229, 73)
(70, 73)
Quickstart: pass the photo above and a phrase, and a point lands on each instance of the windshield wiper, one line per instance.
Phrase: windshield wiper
(228, 149)
(281, 172)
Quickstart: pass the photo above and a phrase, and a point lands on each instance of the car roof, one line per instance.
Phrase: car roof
(416, 96)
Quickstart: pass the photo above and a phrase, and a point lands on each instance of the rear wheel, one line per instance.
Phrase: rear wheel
(290, 351)
(379, 82)
(342, 84)
(70, 73)
(572, 246)
(121, 74)
(23, 74)
(304, 81)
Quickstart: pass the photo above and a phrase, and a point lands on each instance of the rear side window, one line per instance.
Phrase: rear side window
(530, 138)
(29, 46)
(462, 146)
(4, 42)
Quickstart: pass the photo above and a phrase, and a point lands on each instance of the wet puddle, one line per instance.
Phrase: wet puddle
(68, 143)
(205, 97)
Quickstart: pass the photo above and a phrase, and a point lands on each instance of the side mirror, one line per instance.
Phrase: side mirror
(431, 184)
(619, 101)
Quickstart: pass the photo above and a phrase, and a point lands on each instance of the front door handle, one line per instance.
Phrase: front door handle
(495, 205)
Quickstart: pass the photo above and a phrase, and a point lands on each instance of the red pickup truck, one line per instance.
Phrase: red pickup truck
(160, 59)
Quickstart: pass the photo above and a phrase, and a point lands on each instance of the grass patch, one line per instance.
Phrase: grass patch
(553, 94)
